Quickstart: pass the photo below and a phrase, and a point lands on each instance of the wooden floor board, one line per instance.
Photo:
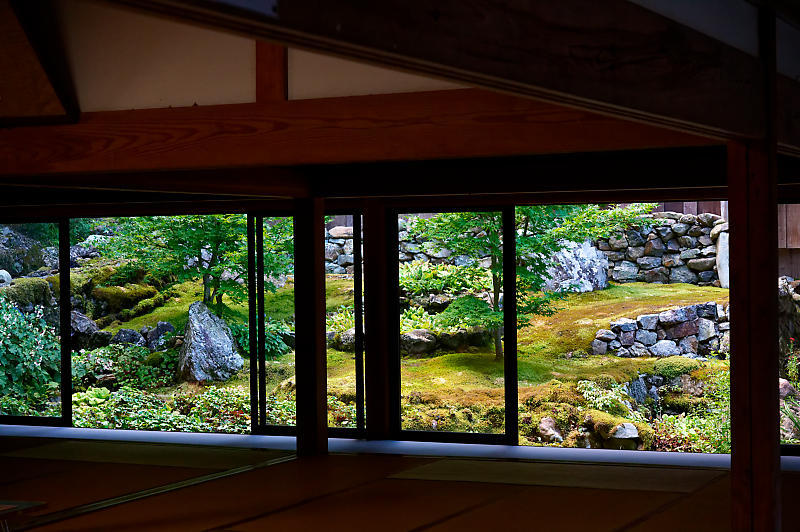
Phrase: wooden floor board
(558, 508)
(227, 501)
(387, 505)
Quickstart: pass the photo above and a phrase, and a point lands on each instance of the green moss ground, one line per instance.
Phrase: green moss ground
(580, 316)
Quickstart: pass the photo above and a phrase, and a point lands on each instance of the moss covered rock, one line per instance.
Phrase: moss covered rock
(118, 298)
(553, 391)
(672, 367)
(28, 291)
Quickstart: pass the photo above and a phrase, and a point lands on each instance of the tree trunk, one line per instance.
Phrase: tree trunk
(498, 344)
(206, 289)
(496, 287)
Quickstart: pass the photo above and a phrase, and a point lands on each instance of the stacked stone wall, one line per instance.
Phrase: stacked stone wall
(679, 248)
(692, 331)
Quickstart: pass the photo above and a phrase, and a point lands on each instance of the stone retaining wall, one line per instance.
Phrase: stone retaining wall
(680, 248)
(692, 331)
(339, 250)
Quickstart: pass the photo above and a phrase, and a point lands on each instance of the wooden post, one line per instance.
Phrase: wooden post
(272, 83)
(381, 340)
(310, 351)
(752, 189)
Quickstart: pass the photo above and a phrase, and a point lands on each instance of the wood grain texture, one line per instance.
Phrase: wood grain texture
(25, 90)
(793, 226)
(438, 124)
(782, 208)
(755, 458)
(271, 73)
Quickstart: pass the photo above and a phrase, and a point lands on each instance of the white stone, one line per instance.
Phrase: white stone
(578, 268)
(723, 260)
(5, 278)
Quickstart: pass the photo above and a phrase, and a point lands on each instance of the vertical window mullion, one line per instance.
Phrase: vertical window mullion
(252, 297)
(262, 371)
(65, 308)
(510, 325)
(359, 322)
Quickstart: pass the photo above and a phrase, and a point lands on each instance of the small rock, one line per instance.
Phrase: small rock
(646, 337)
(708, 218)
(785, 389)
(128, 336)
(623, 325)
(341, 232)
(654, 248)
(627, 338)
(688, 344)
(5, 278)
(648, 321)
(625, 431)
(639, 350)
(682, 330)
(599, 347)
(682, 274)
(649, 262)
(671, 317)
(719, 228)
(417, 342)
(548, 430)
(618, 242)
(665, 348)
(605, 335)
(680, 229)
(701, 265)
(155, 336)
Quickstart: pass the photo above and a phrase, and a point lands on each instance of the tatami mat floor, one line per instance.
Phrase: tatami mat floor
(354, 492)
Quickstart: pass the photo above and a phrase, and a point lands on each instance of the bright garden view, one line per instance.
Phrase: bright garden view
(623, 325)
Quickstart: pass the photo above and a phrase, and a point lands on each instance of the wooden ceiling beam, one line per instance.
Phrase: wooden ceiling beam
(431, 125)
(611, 57)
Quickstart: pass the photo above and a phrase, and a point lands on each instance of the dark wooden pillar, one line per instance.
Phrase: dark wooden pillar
(381, 356)
(310, 354)
(752, 189)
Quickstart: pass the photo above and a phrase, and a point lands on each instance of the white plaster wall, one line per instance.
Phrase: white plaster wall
(122, 59)
(314, 75)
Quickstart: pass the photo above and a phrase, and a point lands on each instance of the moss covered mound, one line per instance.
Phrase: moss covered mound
(28, 291)
(672, 367)
(123, 297)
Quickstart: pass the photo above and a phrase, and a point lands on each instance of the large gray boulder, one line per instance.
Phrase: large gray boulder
(578, 268)
(209, 351)
(5, 278)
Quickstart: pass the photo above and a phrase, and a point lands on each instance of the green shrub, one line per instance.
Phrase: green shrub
(611, 400)
(706, 430)
(469, 311)
(341, 320)
(131, 365)
(420, 277)
(273, 337)
(417, 318)
(30, 356)
(675, 366)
